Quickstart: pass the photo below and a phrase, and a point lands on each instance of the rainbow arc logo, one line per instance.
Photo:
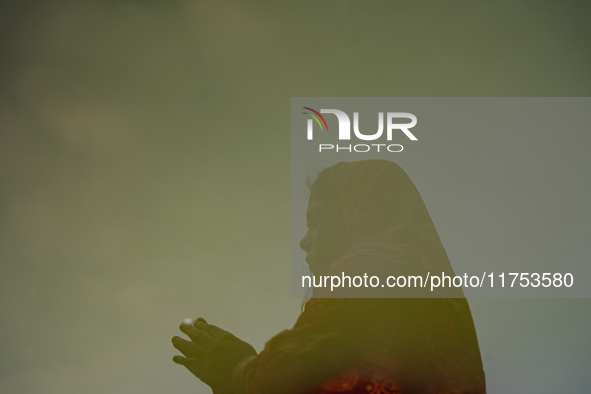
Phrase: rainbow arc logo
(315, 115)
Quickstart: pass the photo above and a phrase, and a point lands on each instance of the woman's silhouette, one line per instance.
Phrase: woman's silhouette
(363, 217)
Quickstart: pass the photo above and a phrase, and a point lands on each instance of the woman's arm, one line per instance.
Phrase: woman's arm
(315, 350)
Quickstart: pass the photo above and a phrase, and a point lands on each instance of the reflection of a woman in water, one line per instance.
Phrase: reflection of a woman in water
(363, 217)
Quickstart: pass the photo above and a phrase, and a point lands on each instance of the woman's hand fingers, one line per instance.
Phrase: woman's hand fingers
(180, 360)
(188, 348)
(210, 329)
(197, 335)
(192, 364)
(195, 366)
(212, 354)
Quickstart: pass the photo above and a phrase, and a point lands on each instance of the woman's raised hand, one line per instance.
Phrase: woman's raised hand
(211, 354)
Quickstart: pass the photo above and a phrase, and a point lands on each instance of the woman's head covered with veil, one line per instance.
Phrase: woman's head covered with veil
(369, 216)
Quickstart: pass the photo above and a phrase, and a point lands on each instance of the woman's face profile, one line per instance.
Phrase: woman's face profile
(308, 243)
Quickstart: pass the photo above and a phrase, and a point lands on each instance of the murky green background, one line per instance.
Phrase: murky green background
(144, 170)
